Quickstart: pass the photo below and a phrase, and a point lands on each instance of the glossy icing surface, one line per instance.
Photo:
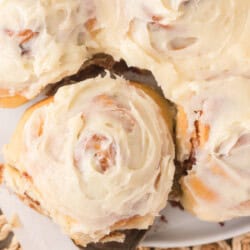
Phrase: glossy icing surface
(104, 149)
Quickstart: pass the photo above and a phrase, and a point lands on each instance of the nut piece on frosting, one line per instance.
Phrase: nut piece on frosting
(41, 42)
(96, 157)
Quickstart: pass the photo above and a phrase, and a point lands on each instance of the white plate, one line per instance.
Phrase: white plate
(181, 229)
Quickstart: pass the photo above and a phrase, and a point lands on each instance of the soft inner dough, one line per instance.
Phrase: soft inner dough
(216, 121)
(96, 156)
(41, 41)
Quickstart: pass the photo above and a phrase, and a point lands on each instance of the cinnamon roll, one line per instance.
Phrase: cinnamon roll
(97, 158)
(41, 42)
(213, 132)
(179, 41)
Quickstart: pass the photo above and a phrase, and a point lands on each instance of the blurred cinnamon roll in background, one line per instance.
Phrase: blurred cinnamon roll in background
(97, 158)
(179, 41)
(213, 136)
(41, 42)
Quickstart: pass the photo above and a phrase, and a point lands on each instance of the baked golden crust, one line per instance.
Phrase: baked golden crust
(8, 101)
(16, 141)
(81, 239)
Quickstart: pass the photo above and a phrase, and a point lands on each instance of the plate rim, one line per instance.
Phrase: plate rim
(198, 241)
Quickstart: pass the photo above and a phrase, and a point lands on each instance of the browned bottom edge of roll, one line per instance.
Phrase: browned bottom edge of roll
(132, 239)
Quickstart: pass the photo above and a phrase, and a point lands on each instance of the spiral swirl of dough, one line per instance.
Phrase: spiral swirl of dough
(99, 153)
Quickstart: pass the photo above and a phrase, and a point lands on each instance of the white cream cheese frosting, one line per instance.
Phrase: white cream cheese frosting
(219, 180)
(178, 41)
(41, 41)
(99, 153)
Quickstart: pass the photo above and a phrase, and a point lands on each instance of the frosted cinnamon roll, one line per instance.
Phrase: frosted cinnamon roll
(96, 157)
(213, 131)
(41, 42)
(177, 40)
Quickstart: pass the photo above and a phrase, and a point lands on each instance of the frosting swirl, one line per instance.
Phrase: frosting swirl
(104, 147)
(217, 117)
(176, 39)
(160, 36)
(40, 43)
